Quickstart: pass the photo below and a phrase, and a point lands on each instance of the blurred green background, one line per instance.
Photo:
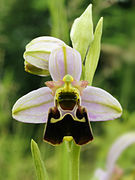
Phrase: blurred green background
(20, 22)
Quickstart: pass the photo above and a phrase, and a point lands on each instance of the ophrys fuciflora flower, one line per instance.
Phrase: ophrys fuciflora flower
(67, 105)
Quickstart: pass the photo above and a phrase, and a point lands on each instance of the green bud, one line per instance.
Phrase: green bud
(82, 32)
(93, 53)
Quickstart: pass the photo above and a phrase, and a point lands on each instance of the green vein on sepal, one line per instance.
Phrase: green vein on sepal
(20, 108)
(34, 53)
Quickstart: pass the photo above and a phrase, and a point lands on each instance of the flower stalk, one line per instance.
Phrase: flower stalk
(62, 156)
(74, 161)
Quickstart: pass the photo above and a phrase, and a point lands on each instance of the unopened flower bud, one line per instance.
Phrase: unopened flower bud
(38, 52)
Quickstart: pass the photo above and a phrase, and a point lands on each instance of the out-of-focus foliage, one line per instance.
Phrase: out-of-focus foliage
(20, 22)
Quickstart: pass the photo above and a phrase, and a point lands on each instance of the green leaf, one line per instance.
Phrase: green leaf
(93, 53)
(39, 165)
(82, 32)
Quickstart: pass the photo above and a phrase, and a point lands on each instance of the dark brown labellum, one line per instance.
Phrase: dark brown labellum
(78, 128)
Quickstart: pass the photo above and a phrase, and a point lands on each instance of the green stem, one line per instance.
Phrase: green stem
(68, 154)
(74, 157)
(63, 163)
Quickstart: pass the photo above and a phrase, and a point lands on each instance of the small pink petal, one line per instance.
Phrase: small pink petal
(54, 85)
(80, 85)
(33, 107)
(101, 105)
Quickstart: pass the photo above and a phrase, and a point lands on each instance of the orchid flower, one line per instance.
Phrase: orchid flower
(67, 105)
(113, 172)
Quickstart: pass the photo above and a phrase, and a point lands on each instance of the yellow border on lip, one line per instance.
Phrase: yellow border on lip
(53, 120)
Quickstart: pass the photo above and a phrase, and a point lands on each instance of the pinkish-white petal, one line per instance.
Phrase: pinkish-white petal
(121, 144)
(101, 105)
(44, 43)
(117, 148)
(38, 59)
(65, 60)
(100, 174)
(33, 107)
